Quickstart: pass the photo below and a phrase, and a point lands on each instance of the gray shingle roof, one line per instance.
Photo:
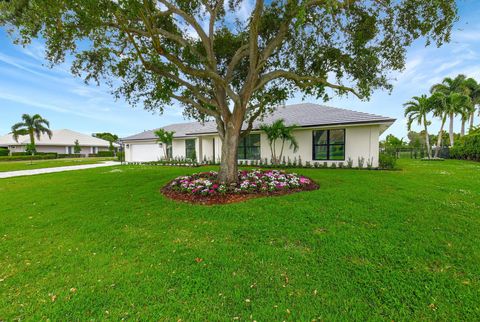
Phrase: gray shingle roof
(303, 115)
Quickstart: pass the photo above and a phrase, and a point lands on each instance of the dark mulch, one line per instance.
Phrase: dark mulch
(228, 197)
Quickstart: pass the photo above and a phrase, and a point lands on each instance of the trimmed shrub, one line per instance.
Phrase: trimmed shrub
(62, 156)
(387, 161)
(4, 152)
(105, 154)
(121, 156)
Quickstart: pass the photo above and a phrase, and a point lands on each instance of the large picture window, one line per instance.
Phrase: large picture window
(190, 152)
(249, 147)
(329, 145)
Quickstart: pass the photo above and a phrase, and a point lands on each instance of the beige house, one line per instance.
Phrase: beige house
(324, 134)
(62, 142)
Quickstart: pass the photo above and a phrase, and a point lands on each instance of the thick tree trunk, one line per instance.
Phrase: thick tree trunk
(440, 137)
(450, 130)
(228, 165)
(427, 139)
(462, 131)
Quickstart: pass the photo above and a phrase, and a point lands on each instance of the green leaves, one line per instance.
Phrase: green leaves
(164, 136)
(33, 125)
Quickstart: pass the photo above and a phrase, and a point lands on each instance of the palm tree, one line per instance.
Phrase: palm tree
(474, 93)
(286, 135)
(166, 138)
(417, 110)
(466, 112)
(439, 105)
(279, 131)
(448, 105)
(447, 87)
(33, 126)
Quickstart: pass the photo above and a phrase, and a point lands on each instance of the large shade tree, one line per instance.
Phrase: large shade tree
(222, 67)
(111, 138)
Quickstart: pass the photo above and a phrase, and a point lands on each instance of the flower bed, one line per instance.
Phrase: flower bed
(206, 189)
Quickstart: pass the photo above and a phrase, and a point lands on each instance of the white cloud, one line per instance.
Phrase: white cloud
(446, 66)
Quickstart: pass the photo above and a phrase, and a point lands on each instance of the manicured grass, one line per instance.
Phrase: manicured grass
(38, 164)
(368, 245)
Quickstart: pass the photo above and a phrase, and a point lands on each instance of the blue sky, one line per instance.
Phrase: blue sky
(28, 86)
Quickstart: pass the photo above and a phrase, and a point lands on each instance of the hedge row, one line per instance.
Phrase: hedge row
(19, 156)
(386, 162)
(4, 152)
(16, 154)
(105, 154)
(467, 148)
(28, 157)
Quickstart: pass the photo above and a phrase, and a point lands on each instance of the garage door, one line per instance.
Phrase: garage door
(146, 152)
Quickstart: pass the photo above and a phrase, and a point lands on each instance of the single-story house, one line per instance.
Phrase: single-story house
(62, 142)
(324, 134)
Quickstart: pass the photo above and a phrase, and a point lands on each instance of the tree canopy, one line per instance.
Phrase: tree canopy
(107, 136)
(219, 66)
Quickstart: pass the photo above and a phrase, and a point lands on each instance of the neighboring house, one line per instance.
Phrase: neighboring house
(324, 134)
(62, 142)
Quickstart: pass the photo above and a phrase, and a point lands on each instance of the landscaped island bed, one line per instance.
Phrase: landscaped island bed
(368, 245)
(204, 187)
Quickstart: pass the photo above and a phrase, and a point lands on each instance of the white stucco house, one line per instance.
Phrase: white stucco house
(324, 134)
(62, 142)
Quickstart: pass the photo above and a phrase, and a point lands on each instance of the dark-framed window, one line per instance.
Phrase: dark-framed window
(190, 152)
(249, 147)
(328, 145)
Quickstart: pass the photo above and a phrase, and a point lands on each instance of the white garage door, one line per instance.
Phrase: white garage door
(146, 152)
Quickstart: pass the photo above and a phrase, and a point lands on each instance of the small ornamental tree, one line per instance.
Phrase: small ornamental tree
(279, 131)
(166, 138)
(76, 147)
(219, 66)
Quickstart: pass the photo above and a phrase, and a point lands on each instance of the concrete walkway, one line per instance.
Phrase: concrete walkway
(11, 174)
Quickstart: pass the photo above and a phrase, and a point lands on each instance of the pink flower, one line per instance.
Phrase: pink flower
(304, 180)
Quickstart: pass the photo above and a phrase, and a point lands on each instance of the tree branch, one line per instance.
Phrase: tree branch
(302, 81)
(199, 30)
(241, 52)
(252, 119)
(188, 101)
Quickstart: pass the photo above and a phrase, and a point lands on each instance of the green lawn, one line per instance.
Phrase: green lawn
(369, 245)
(38, 164)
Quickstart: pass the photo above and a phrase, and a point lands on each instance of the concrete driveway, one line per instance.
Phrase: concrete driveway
(11, 174)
